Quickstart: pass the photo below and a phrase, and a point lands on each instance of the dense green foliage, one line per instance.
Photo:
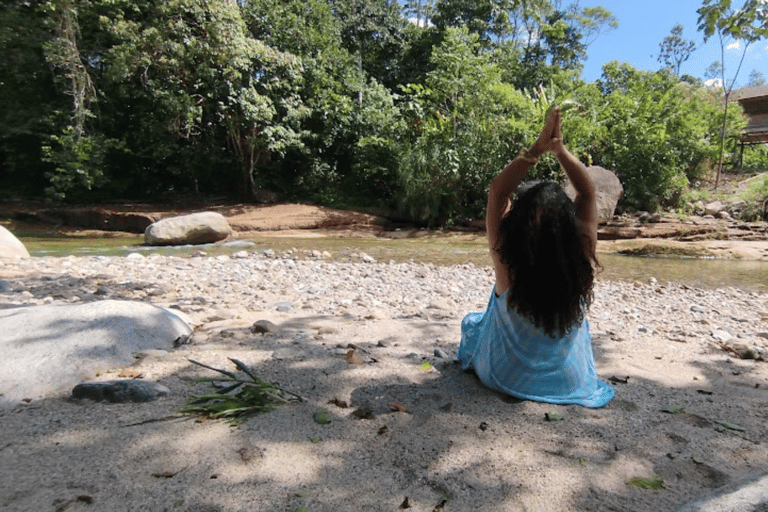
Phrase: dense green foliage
(340, 102)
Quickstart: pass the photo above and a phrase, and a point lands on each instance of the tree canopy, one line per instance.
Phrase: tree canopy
(335, 101)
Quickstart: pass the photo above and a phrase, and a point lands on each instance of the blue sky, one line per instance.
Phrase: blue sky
(644, 24)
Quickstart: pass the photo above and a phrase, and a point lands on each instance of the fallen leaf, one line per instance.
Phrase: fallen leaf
(322, 418)
(338, 403)
(730, 426)
(353, 357)
(647, 483)
(178, 503)
(314, 440)
(84, 498)
(583, 463)
(396, 407)
(130, 373)
(425, 366)
(554, 416)
(674, 410)
(383, 430)
(440, 506)
(164, 474)
(703, 392)
(405, 503)
(483, 426)
(619, 380)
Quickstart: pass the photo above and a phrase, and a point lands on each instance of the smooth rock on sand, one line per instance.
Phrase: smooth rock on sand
(120, 391)
(47, 349)
(10, 246)
(195, 228)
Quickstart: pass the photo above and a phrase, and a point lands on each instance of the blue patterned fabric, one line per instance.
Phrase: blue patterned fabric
(513, 356)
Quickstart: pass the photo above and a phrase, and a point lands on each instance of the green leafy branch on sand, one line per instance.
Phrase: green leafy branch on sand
(237, 397)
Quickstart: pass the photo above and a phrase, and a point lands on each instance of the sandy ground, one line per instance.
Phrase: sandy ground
(437, 440)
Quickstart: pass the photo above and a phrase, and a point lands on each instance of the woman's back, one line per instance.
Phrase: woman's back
(533, 339)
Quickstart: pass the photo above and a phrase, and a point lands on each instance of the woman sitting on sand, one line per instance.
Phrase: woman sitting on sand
(533, 340)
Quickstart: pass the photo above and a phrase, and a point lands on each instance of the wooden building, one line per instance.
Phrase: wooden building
(754, 103)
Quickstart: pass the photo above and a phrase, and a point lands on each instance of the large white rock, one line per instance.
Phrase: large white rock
(10, 246)
(714, 208)
(608, 190)
(192, 229)
(48, 349)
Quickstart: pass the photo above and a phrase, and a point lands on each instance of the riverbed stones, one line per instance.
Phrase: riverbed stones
(192, 229)
(329, 297)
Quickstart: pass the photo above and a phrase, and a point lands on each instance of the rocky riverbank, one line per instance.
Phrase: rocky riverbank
(689, 410)
(697, 236)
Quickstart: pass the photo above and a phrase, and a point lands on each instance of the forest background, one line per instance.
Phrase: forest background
(409, 109)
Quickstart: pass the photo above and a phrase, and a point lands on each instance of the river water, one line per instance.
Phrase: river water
(701, 273)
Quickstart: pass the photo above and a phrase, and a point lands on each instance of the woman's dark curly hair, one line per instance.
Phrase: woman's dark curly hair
(541, 244)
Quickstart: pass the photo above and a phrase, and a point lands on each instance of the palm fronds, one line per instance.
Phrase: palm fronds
(237, 397)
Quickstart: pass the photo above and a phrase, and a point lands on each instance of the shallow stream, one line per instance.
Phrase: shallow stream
(438, 250)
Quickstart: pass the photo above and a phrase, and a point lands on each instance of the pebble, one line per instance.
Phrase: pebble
(364, 290)
(722, 335)
(263, 327)
(120, 391)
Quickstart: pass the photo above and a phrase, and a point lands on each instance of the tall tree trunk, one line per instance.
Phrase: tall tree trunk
(727, 93)
(64, 54)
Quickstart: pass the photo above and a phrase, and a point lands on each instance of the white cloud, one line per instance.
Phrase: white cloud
(713, 83)
(734, 46)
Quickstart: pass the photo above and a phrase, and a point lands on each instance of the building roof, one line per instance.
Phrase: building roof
(754, 103)
(749, 93)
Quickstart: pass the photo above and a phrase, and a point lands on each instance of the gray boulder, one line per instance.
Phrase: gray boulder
(192, 229)
(608, 188)
(48, 349)
(10, 246)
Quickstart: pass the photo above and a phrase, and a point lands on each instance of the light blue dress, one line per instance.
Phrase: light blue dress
(513, 356)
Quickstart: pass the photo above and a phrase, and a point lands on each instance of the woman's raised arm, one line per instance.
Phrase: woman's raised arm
(586, 199)
(506, 182)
